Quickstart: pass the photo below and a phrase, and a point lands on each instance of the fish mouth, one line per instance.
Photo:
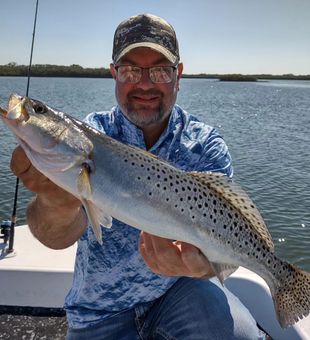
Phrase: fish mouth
(3, 112)
(17, 108)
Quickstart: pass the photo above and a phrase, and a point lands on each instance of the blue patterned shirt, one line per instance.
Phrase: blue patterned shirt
(113, 277)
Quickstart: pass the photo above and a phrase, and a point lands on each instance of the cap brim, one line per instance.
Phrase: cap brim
(158, 48)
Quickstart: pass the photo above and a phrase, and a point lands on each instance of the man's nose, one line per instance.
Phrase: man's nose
(145, 81)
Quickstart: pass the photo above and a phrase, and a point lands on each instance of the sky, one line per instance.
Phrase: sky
(215, 36)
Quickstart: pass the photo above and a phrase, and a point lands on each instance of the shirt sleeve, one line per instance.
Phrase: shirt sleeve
(215, 156)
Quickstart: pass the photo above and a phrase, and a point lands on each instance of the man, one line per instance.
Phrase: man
(140, 286)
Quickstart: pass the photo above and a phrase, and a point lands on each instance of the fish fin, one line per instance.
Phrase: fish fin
(105, 219)
(292, 296)
(83, 182)
(235, 196)
(222, 270)
(93, 217)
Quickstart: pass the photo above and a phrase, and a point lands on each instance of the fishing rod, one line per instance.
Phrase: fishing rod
(13, 217)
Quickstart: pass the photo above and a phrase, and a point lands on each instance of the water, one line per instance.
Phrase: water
(265, 125)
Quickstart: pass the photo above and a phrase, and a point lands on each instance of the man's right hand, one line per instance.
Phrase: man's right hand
(54, 216)
(36, 182)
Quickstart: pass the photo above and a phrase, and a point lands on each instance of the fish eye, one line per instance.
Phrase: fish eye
(39, 107)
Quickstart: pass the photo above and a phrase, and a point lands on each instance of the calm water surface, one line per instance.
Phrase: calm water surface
(265, 124)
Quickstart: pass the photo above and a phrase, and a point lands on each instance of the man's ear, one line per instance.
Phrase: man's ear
(113, 71)
(179, 74)
(180, 70)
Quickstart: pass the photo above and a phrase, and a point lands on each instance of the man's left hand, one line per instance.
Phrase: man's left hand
(173, 258)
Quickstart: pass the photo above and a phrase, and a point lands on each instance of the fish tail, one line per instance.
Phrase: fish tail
(292, 295)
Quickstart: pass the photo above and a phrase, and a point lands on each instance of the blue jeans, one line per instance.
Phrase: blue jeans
(191, 309)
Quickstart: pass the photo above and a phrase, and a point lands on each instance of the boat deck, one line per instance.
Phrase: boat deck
(17, 327)
(35, 280)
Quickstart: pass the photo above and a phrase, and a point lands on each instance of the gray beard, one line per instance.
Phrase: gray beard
(147, 120)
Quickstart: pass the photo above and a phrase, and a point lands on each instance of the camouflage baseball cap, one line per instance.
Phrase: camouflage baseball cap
(145, 30)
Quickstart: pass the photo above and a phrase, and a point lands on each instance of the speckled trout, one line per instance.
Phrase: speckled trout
(114, 180)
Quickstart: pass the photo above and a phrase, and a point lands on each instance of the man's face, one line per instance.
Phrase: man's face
(145, 103)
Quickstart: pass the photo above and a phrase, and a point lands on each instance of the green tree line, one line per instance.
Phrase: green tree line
(74, 70)
(47, 70)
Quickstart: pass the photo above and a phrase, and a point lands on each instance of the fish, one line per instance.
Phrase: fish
(116, 180)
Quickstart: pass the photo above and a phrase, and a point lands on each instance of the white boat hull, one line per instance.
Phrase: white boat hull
(36, 276)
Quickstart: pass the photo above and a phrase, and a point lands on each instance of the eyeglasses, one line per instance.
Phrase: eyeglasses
(133, 74)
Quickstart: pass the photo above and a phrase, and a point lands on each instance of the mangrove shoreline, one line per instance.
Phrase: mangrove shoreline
(49, 70)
